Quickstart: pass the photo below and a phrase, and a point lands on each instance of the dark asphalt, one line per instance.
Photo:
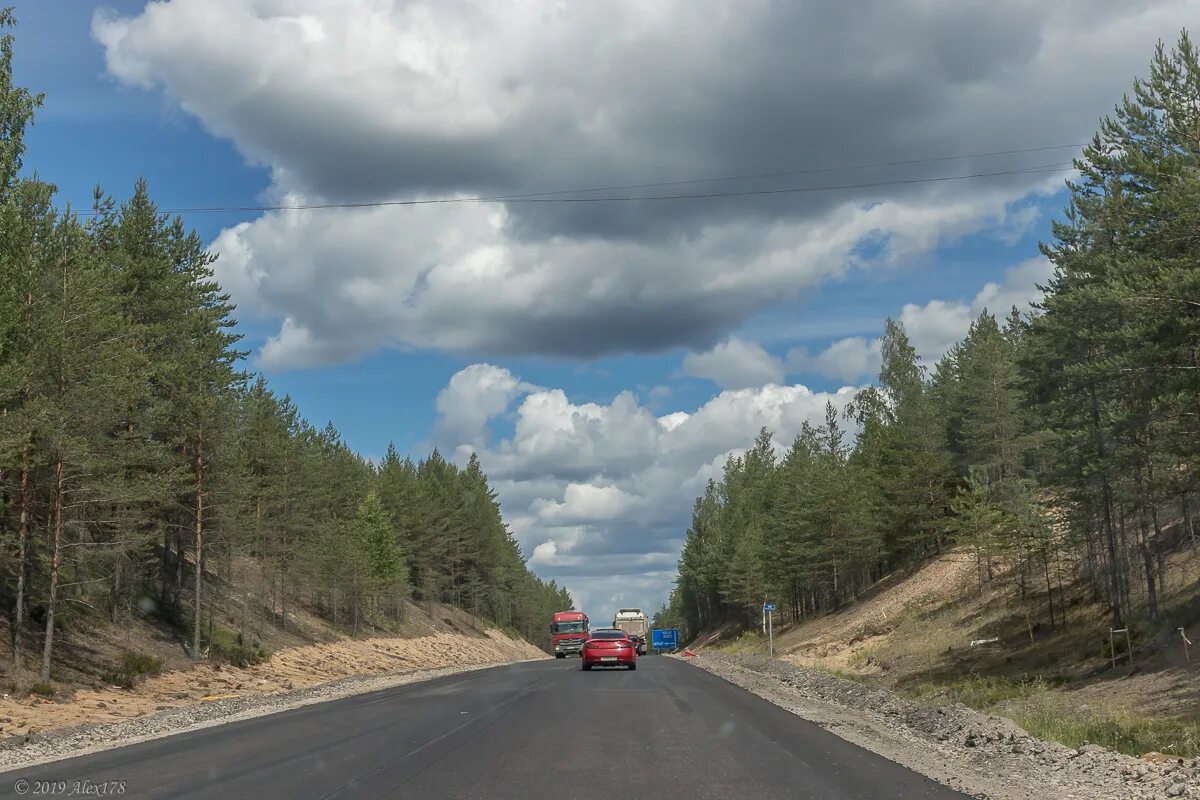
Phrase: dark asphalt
(536, 730)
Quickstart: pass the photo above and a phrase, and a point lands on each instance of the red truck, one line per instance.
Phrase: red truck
(568, 630)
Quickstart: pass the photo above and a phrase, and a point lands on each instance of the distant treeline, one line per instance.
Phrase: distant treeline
(138, 462)
(1064, 442)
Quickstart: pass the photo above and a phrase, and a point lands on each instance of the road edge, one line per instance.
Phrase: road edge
(68, 743)
(971, 752)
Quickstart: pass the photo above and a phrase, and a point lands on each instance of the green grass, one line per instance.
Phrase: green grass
(747, 641)
(980, 691)
(1125, 732)
(134, 667)
(838, 673)
(1026, 702)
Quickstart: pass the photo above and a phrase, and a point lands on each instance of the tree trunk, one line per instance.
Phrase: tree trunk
(283, 597)
(1187, 521)
(55, 561)
(1148, 564)
(1110, 534)
(1049, 587)
(1062, 597)
(165, 593)
(22, 556)
(199, 542)
(1157, 544)
(177, 591)
(1159, 555)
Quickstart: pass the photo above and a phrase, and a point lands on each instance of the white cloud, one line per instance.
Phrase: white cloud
(585, 503)
(405, 278)
(735, 364)
(933, 328)
(600, 494)
(846, 359)
(473, 396)
(1018, 289)
(365, 99)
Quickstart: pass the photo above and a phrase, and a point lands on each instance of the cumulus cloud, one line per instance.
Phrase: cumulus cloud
(1019, 288)
(600, 494)
(473, 396)
(735, 364)
(933, 328)
(363, 100)
(846, 359)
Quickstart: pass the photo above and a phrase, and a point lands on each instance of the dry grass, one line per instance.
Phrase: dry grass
(913, 633)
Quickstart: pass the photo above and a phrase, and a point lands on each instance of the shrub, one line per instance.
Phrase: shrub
(225, 645)
(134, 667)
(43, 689)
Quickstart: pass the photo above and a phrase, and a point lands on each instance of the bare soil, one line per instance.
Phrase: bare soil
(925, 628)
(447, 638)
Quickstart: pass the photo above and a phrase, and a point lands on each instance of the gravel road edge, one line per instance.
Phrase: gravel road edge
(977, 754)
(83, 740)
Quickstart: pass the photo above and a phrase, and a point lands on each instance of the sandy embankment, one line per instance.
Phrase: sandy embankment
(289, 669)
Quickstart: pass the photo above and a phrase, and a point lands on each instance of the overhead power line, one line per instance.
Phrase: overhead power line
(1042, 169)
(794, 172)
(555, 196)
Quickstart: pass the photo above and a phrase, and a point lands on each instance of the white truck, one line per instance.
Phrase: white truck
(634, 623)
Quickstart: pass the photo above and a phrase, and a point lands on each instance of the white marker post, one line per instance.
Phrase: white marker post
(768, 608)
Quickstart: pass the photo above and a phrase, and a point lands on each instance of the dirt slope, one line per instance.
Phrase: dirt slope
(922, 631)
(448, 638)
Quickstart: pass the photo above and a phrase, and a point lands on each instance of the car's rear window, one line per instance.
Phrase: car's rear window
(608, 634)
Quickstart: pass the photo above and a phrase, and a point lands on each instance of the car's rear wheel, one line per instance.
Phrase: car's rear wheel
(586, 666)
(633, 666)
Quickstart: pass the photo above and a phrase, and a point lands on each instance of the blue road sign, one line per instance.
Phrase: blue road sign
(768, 606)
(667, 639)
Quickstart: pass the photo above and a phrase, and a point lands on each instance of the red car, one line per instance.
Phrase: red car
(609, 647)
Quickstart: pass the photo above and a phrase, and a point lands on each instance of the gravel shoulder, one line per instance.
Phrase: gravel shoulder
(978, 754)
(92, 738)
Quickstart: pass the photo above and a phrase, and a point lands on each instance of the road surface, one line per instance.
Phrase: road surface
(542, 729)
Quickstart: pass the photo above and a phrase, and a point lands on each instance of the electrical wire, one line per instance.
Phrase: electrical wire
(1040, 169)
(788, 173)
(555, 196)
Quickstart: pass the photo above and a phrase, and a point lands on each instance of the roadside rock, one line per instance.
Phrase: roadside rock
(987, 756)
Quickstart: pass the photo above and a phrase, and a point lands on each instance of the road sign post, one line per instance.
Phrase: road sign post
(768, 609)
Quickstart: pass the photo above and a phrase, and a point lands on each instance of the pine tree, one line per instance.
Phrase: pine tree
(79, 353)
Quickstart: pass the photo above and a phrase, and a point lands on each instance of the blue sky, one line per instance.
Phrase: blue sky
(516, 330)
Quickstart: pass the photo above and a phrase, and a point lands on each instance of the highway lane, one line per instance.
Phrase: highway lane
(535, 730)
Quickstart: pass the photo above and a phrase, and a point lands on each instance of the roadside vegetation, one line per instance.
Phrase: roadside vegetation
(1054, 457)
(1029, 703)
(144, 475)
(1058, 447)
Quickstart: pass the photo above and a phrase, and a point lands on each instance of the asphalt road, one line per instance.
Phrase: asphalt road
(526, 731)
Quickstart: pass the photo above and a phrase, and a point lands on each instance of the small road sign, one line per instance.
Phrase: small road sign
(768, 606)
(665, 639)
